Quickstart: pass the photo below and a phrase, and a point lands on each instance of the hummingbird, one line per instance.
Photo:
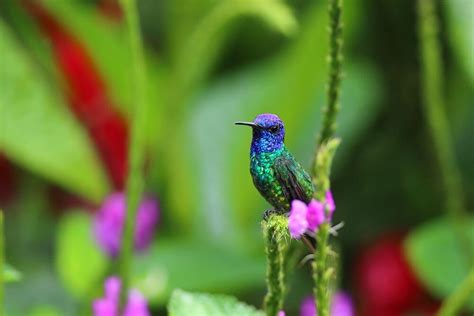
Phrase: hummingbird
(276, 174)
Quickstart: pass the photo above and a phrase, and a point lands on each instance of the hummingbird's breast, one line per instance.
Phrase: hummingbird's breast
(261, 169)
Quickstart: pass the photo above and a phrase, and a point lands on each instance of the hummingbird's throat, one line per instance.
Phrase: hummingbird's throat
(266, 144)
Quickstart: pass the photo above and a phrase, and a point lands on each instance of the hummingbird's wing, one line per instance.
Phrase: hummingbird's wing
(295, 182)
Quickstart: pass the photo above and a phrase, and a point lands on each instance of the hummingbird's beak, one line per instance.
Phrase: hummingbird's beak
(252, 124)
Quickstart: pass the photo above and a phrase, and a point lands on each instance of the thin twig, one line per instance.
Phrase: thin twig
(135, 182)
(435, 113)
(308, 243)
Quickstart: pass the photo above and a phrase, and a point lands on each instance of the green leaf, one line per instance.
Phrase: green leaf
(10, 274)
(193, 265)
(37, 130)
(199, 304)
(437, 256)
(79, 261)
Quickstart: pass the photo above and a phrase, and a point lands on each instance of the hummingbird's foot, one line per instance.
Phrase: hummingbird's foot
(268, 213)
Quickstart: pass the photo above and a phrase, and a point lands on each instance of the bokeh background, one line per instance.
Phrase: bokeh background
(65, 116)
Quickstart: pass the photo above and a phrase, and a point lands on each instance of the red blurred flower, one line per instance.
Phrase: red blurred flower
(384, 281)
(87, 93)
(419, 309)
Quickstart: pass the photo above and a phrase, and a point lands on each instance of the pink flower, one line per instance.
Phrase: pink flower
(297, 222)
(315, 214)
(341, 305)
(330, 204)
(309, 217)
(109, 305)
(281, 313)
(109, 222)
(136, 305)
(307, 307)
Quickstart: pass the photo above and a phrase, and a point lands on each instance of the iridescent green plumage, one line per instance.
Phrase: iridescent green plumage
(278, 177)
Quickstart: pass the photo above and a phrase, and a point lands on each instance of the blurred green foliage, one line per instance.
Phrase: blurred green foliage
(438, 257)
(38, 132)
(184, 303)
(209, 64)
(80, 263)
(10, 274)
(174, 263)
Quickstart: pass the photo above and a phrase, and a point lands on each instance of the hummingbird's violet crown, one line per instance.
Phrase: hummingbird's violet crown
(268, 120)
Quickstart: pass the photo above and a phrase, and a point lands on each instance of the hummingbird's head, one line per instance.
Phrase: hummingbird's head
(268, 132)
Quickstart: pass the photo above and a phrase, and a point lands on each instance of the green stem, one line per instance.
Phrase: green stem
(322, 161)
(2, 265)
(322, 272)
(455, 301)
(135, 181)
(275, 232)
(434, 108)
(335, 71)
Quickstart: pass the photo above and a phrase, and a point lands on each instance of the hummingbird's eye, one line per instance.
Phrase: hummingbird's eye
(274, 129)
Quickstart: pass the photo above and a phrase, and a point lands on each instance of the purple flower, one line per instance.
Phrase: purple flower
(109, 222)
(109, 305)
(309, 217)
(315, 214)
(307, 307)
(136, 305)
(297, 222)
(281, 313)
(341, 305)
(330, 204)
